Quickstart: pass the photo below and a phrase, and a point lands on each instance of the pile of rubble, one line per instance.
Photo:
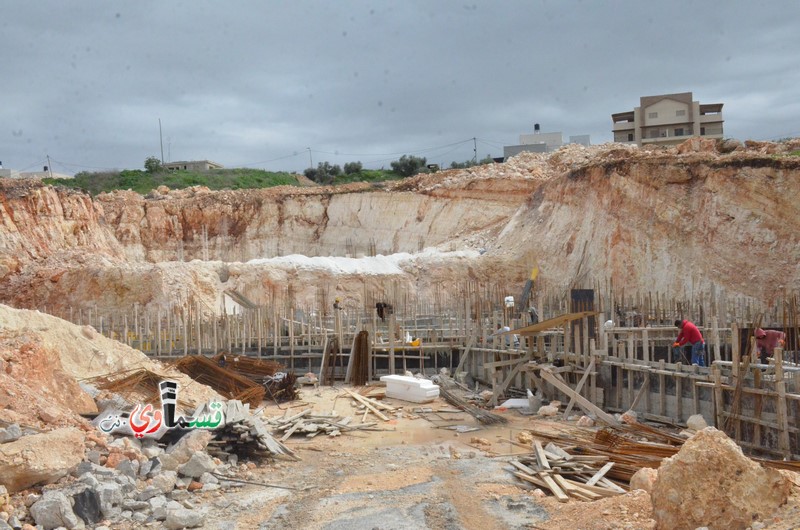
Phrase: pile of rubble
(121, 481)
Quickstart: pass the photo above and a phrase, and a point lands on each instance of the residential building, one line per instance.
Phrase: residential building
(194, 165)
(540, 142)
(667, 119)
(44, 173)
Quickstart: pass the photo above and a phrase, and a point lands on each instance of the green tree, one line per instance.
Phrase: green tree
(324, 173)
(152, 164)
(353, 167)
(471, 163)
(408, 165)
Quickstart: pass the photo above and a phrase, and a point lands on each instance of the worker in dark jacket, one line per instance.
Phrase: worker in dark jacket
(691, 335)
(767, 341)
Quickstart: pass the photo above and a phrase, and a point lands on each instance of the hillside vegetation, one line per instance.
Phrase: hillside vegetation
(143, 182)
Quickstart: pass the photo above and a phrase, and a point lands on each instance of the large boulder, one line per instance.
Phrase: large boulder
(193, 442)
(40, 458)
(644, 479)
(709, 482)
(54, 510)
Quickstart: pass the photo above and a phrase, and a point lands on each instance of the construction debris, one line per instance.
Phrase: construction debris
(371, 405)
(483, 416)
(566, 475)
(226, 382)
(311, 425)
(281, 387)
(245, 435)
(258, 370)
(134, 386)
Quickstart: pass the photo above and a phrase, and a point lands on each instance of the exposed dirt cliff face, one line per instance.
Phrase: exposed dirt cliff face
(667, 223)
(668, 220)
(245, 225)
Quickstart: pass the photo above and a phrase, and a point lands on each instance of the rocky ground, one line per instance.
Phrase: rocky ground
(408, 474)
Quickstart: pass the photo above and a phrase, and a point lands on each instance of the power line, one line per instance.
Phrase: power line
(407, 152)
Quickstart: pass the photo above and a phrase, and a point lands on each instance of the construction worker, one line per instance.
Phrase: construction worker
(767, 341)
(691, 335)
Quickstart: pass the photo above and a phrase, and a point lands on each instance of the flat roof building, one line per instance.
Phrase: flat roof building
(542, 142)
(193, 165)
(667, 119)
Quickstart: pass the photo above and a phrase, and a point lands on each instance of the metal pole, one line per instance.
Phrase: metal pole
(161, 141)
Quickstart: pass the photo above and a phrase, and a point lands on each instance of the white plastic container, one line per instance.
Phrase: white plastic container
(410, 388)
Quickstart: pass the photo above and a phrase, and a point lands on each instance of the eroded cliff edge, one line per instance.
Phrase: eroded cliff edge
(682, 220)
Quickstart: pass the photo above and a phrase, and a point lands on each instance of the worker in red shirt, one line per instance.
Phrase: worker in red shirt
(691, 335)
(767, 341)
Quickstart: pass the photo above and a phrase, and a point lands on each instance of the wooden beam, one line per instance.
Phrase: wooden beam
(600, 474)
(556, 322)
(584, 403)
(571, 403)
(644, 388)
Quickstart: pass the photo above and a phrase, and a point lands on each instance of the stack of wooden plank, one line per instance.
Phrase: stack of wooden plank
(311, 424)
(245, 435)
(567, 476)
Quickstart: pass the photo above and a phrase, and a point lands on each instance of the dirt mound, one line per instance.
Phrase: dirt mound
(81, 353)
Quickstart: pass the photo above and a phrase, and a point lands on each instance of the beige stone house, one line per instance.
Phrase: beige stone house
(668, 119)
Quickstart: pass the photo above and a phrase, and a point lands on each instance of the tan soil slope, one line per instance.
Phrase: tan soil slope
(83, 353)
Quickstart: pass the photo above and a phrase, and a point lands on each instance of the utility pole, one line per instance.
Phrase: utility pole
(161, 140)
(49, 167)
(310, 162)
(475, 149)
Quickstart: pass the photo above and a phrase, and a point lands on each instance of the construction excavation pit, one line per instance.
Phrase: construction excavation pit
(491, 347)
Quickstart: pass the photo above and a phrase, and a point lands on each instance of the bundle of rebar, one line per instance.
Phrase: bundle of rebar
(259, 370)
(226, 382)
(281, 389)
(134, 386)
(629, 455)
(359, 359)
(483, 416)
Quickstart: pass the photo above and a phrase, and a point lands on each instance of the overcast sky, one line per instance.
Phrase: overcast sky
(258, 83)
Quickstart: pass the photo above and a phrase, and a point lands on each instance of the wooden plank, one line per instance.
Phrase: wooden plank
(719, 405)
(610, 485)
(589, 370)
(540, 456)
(522, 467)
(499, 364)
(512, 374)
(600, 474)
(553, 486)
(465, 354)
(555, 322)
(644, 388)
(544, 482)
(363, 401)
(599, 490)
(584, 403)
(573, 488)
(291, 431)
(781, 409)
